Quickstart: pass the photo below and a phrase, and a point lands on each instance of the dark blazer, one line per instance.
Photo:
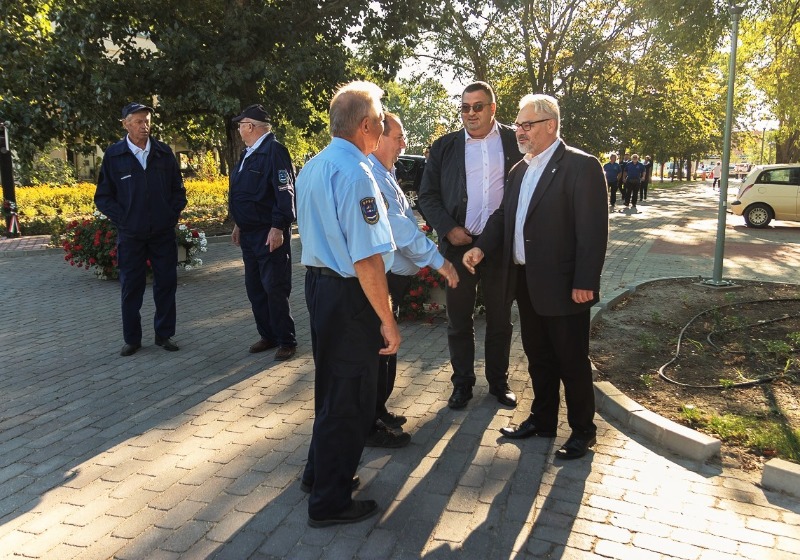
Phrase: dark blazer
(443, 191)
(565, 231)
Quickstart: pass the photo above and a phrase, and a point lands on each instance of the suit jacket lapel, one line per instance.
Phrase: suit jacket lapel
(459, 148)
(546, 179)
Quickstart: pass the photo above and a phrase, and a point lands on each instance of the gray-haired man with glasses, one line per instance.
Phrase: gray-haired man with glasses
(461, 187)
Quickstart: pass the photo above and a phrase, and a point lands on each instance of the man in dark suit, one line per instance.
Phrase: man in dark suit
(553, 230)
(461, 187)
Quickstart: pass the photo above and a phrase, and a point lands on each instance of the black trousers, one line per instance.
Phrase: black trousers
(558, 351)
(631, 191)
(461, 325)
(132, 255)
(613, 186)
(387, 369)
(345, 339)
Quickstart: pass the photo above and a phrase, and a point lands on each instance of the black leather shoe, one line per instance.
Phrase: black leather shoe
(392, 420)
(576, 447)
(306, 486)
(166, 344)
(358, 510)
(460, 397)
(129, 349)
(262, 345)
(381, 436)
(526, 430)
(504, 394)
(285, 352)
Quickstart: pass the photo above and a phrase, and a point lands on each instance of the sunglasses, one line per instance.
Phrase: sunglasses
(477, 107)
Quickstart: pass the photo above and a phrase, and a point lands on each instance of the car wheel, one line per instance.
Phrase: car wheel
(757, 215)
(412, 199)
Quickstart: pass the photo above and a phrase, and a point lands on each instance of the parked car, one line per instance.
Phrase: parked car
(409, 175)
(769, 192)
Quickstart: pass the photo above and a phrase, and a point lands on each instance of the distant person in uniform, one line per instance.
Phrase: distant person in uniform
(141, 191)
(632, 175)
(414, 250)
(613, 172)
(648, 174)
(261, 201)
(348, 249)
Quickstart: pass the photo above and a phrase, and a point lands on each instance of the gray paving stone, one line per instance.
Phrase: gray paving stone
(217, 438)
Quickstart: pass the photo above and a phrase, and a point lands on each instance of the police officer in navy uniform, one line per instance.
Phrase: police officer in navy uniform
(141, 191)
(347, 248)
(261, 201)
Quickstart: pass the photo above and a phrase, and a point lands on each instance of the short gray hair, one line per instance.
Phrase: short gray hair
(544, 104)
(350, 104)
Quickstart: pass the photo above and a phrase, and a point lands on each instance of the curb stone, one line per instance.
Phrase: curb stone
(778, 474)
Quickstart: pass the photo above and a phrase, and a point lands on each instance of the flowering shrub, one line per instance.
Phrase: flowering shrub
(193, 241)
(92, 243)
(416, 303)
(46, 209)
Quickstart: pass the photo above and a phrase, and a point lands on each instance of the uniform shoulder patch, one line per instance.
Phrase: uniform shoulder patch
(283, 176)
(369, 209)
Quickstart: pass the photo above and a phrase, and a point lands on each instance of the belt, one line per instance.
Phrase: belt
(325, 271)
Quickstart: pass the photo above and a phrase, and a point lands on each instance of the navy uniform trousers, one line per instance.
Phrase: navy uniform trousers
(132, 255)
(398, 287)
(345, 339)
(268, 281)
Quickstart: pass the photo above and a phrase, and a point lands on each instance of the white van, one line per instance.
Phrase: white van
(769, 192)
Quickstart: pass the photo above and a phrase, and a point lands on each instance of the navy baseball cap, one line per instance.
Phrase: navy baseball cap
(255, 112)
(131, 108)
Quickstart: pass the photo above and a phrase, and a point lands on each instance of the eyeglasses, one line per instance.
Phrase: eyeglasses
(527, 125)
(477, 107)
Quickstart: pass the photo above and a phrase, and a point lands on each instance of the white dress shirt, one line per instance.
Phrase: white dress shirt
(536, 166)
(140, 154)
(484, 163)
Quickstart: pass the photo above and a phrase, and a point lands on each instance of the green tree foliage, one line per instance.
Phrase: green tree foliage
(771, 52)
(69, 65)
(620, 70)
(426, 109)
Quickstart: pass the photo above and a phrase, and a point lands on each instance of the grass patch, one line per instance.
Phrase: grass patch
(762, 435)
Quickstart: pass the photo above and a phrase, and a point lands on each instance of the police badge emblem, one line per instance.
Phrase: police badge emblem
(369, 209)
(283, 176)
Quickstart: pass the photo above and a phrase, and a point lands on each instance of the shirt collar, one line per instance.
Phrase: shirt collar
(493, 131)
(542, 158)
(376, 162)
(257, 143)
(136, 149)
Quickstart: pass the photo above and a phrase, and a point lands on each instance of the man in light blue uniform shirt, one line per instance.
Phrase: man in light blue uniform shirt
(347, 248)
(414, 250)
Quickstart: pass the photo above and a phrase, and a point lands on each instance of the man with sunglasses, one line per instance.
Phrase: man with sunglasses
(551, 233)
(261, 201)
(461, 187)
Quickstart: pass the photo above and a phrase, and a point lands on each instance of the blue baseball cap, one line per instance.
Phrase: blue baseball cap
(131, 108)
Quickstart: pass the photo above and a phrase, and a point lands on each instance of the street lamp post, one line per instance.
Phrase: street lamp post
(716, 280)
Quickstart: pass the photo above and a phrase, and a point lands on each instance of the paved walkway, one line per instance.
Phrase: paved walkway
(198, 453)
